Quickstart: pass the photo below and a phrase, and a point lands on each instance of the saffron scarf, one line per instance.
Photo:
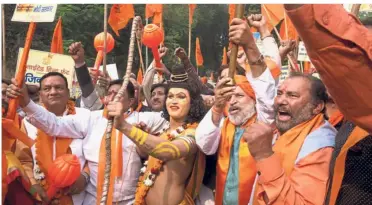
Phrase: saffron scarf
(289, 144)
(116, 159)
(44, 153)
(247, 167)
(336, 118)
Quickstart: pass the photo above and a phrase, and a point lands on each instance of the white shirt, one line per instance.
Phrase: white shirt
(91, 126)
(208, 134)
(76, 147)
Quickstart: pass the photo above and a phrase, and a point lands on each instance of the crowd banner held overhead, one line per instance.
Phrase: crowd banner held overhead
(41, 62)
(34, 12)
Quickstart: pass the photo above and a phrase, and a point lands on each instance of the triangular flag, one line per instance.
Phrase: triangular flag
(156, 11)
(198, 53)
(120, 15)
(191, 12)
(224, 56)
(287, 30)
(57, 41)
(140, 76)
(274, 14)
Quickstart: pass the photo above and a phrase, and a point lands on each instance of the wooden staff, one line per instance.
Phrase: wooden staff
(4, 49)
(106, 183)
(20, 76)
(139, 46)
(239, 11)
(105, 38)
(189, 35)
(280, 39)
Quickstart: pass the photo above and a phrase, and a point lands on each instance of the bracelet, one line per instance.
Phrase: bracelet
(138, 135)
(259, 61)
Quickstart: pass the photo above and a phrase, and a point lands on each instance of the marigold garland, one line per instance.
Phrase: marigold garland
(40, 157)
(151, 172)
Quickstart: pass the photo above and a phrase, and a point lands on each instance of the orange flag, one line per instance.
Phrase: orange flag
(274, 14)
(140, 76)
(120, 15)
(231, 12)
(57, 41)
(192, 8)
(224, 57)
(156, 11)
(198, 53)
(287, 29)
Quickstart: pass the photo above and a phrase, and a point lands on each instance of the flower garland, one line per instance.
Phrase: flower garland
(148, 174)
(41, 158)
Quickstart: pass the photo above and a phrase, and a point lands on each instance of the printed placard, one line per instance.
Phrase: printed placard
(41, 62)
(34, 12)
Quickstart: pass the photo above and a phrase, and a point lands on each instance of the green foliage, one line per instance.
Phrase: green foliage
(82, 22)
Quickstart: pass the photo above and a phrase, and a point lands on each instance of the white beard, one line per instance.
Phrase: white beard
(242, 117)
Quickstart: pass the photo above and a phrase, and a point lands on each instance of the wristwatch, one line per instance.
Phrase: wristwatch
(259, 61)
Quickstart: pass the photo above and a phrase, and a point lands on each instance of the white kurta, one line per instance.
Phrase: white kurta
(91, 126)
(76, 147)
(208, 134)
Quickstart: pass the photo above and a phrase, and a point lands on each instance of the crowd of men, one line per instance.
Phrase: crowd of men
(242, 140)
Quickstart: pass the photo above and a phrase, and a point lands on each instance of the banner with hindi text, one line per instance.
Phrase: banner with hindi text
(34, 12)
(41, 62)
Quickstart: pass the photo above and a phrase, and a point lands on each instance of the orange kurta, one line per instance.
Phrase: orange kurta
(342, 57)
(282, 181)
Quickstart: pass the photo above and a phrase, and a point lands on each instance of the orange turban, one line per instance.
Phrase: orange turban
(243, 83)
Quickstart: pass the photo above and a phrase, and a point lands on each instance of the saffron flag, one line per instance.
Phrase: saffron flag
(224, 57)
(120, 15)
(287, 29)
(191, 12)
(156, 11)
(231, 12)
(273, 13)
(198, 53)
(57, 41)
(140, 76)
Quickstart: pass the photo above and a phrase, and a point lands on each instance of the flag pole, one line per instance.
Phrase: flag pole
(189, 35)
(105, 38)
(234, 50)
(147, 50)
(3, 42)
(280, 39)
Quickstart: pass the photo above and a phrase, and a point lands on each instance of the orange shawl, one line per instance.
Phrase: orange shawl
(336, 118)
(247, 167)
(339, 170)
(116, 162)
(289, 144)
(44, 153)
